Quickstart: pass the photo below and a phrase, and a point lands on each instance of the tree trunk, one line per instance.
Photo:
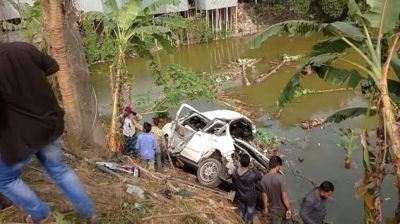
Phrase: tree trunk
(54, 25)
(92, 132)
(116, 73)
(373, 178)
(244, 75)
(387, 113)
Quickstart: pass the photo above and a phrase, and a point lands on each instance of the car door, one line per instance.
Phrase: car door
(202, 141)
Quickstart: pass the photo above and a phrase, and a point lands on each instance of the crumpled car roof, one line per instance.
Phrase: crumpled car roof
(223, 115)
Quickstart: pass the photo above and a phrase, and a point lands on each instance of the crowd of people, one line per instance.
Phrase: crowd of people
(145, 140)
(275, 196)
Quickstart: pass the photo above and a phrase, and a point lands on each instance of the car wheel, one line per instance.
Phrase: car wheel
(208, 172)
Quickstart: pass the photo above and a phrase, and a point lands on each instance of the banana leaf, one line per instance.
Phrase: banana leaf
(347, 113)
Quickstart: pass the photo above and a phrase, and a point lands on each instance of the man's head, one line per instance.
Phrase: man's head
(156, 121)
(147, 127)
(275, 162)
(128, 110)
(244, 160)
(326, 190)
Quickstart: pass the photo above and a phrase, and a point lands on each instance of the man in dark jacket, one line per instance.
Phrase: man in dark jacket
(245, 180)
(313, 209)
(31, 123)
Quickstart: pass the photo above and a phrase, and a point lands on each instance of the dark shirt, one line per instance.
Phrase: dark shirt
(274, 184)
(245, 185)
(313, 209)
(29, 113)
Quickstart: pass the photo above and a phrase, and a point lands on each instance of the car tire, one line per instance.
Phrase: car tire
(208, 172)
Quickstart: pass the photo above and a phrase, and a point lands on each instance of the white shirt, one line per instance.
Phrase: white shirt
(128, 129)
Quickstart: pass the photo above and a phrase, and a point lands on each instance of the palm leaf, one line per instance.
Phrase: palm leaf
(164, 42)
(128, 13)
(396, 65)
(290, 91)
(332, 45)
(346, 29)
(385, 12)
(298, 27)
(394, 90)
(354, 9)
(320, 60)
(338, 76)
(150, 30)
(157, 4)
(347, 113)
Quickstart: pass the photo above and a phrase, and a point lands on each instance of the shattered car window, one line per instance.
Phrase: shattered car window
(195, 122)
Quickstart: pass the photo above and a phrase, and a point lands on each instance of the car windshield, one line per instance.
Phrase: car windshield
(242, 129)
(195, 122)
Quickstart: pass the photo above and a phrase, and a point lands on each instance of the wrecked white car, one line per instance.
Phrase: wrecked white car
(212, 142)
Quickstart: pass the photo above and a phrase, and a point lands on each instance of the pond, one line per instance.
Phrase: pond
(323, 158)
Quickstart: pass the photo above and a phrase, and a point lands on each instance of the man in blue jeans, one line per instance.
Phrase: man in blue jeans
(31, 123)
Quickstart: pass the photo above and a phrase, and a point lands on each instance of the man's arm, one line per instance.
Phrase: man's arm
(286, 201)
(305, 211)
(49, 65)
(265, 201)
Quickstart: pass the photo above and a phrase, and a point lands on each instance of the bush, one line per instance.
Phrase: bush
(98, 41)
(333, 9)
(302, 7)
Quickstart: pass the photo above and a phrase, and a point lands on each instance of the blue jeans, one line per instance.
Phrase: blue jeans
(51, 157)
(247, 212)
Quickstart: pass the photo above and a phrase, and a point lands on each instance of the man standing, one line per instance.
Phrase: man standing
(313, 209)
(161, 147)
(31, 123)
(245, 180)
(147, 146)
(275, 195)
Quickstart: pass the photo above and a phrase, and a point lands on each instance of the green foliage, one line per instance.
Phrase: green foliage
(99, 43)
(200, 29)
(266, 138)
(302, 7)
(347, 113)
(60, 219)
(180, 84)
(292, 27)
(347, 138)
(333, 9)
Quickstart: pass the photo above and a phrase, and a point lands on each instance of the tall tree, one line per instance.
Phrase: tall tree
(132, 23)
(78, 97)
(374, 37)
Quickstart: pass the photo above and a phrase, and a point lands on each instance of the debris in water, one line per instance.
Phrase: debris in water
(301, 159)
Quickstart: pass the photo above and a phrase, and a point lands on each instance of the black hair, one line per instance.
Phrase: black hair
(147, 127)
(274, 161)
(244, 160)
(156, 121)
(326, 186)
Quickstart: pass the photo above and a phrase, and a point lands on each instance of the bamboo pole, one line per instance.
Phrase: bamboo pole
(212, 21)
(236, 19)
(226, 22)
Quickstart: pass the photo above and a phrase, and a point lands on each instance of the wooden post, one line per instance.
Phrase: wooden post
(226, 22)
(212, 21)
(208, 24)
(236, 19)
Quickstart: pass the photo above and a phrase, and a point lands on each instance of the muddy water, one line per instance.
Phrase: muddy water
(323, 158)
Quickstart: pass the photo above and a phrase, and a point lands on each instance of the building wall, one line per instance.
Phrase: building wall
(90, 5)
(215, 4)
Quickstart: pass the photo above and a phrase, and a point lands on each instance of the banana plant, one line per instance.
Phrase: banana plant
(131, 23)
(374, 36)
